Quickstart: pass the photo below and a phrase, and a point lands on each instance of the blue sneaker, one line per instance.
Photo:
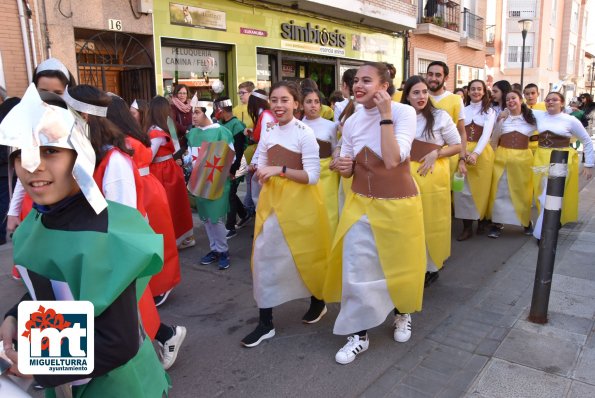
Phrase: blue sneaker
(210, 258)
(224, 260)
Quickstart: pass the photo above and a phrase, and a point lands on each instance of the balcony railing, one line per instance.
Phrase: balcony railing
(490, 35)
(442, 13)
(473, 26)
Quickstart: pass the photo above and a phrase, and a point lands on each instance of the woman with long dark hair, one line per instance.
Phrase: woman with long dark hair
(499, 91)
(511, 191)
(168, 172)
(472, 203)
(140, 112)
(436, 139)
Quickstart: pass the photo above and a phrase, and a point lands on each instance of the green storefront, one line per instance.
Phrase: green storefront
(206, 43)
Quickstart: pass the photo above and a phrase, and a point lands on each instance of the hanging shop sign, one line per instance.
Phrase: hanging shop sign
(180, 14)
(191, 62)
(312, 38)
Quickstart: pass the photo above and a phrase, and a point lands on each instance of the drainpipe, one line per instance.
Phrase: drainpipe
(31, 33)
(25, 41)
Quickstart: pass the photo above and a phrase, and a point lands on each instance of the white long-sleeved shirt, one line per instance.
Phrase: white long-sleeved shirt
(267, 119)
(296, 137)
(324, 130)
(118, 183)
(363, 129)
(517, 123)
(444, 129)
(566, 126)
(16, 202)
(473, 114)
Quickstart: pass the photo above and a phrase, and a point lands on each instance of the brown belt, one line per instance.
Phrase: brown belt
(419, 149)
(326, 149)
(514, 140)
(547, 139)
(280, 156)
(474, 132)
(372, 179)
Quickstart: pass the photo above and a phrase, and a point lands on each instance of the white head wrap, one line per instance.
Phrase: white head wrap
(33, 123)
(195, 103)
(53, 64)
(259, 95)
(80, 106)
(222, 104)
(134, 105)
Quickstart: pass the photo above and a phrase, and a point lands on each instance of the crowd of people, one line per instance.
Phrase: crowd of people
(352, 199)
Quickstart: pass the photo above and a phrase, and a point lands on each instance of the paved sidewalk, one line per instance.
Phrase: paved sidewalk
(487, 348)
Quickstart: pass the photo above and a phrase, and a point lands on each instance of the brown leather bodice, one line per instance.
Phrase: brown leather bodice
(514, 140)
(280, 156)
(372, 179)
(419, 149)
(474, 132)
(547, 139)
(326, 149)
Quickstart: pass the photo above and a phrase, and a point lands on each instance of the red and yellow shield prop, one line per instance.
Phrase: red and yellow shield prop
(211, 169)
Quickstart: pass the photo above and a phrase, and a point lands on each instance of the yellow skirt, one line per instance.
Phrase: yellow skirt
(519, 173)
(303, 219)
(570, 200)
(435, 196)
(398, 229)
(480, 178)
(329, 183)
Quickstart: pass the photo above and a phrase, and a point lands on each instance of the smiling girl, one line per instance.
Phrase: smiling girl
(472, 203)
(436, 139)
(326, 136)
(291, 235)
(380, 235)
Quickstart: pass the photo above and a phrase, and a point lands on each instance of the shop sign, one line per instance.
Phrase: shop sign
(180, 14)
(313, 35)
(288, 70)
(315, 48)
(253, 32)
(371, 44)
(189, 62)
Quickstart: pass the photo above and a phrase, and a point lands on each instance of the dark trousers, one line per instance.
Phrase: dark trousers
(236, 207)
(4, 203)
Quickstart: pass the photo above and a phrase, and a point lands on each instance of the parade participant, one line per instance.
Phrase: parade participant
(259, 111)
(511, 191)
(140, 112)
(292, 236)
(7, 178)
(223, 113)
(154, 198)
(326, 112)
(181, 112)
(169, 173)
(345, 108)
(119, 181)
(531, 93)
(335, 97)
(555, 130)
(436, 77)
(211, 146)
(499, 91)
(436, 139)
(380, 235)
(326, 136)
(472, 203)
(461, 92)
(70, 223)
(241, 110)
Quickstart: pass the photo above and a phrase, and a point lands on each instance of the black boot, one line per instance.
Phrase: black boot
(264, 330)
(315, 312)
(467, 230)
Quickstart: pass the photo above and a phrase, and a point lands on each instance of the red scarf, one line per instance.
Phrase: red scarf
(182, 107)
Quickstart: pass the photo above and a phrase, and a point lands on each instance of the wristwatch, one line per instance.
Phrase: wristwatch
(283, 170)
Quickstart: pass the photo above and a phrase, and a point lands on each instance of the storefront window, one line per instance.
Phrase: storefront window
(203, 70)
(264, 72)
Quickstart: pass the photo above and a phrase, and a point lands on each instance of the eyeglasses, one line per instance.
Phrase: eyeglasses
(182, 93)
(243, 92)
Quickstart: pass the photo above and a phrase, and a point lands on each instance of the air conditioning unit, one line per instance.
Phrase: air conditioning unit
(145, 6)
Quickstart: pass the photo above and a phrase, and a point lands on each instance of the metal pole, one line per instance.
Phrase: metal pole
(592, 76)
(549, 236)
(524, 33)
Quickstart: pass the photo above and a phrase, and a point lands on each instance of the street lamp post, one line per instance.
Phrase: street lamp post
(524, 25)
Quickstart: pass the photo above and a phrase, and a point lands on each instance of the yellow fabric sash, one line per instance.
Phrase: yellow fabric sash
(518, 164)
(304, 222)
(435, 196)
(480, 177)
(398, 231)
(329, 184)
(570, 200)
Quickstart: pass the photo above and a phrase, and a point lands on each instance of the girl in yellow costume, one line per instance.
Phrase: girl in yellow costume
(380, 234)
(472, 203)
(436, 139)
(555, 130)
(512, 179)
(326, 136)
(291, 234)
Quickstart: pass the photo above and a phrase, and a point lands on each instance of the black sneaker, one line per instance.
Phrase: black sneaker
(242, 223)
(231, 234)
(494, 233)
(262, 332)
(161, 298)
(316, 311)
(431, 277)
(528, 230)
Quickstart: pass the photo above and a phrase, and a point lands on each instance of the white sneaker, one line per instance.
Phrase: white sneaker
(186, 243)
(171, 347)
(354, 346)
(402, 327)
